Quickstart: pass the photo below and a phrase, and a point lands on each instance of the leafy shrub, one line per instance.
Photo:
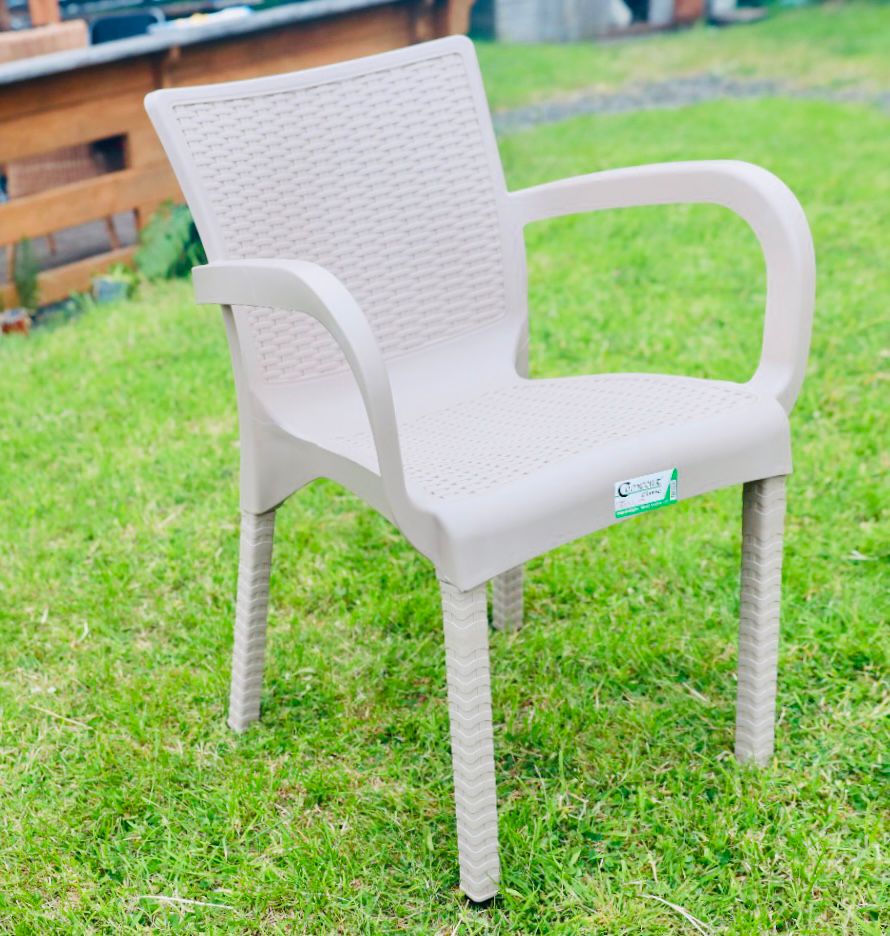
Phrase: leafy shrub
(169, 244)
(24, 275)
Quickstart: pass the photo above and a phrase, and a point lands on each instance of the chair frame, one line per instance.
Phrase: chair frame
(269, 473)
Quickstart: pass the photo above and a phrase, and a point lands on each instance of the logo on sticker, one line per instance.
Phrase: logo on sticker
(647, 492)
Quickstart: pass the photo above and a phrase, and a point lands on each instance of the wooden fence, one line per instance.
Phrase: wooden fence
(101, 100)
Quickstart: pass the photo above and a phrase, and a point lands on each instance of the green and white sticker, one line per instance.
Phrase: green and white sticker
(648, 492)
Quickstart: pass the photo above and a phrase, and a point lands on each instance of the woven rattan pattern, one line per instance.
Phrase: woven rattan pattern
(383, 179)
(512, 432)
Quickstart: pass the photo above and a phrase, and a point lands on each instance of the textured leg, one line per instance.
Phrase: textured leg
(763, 521)
(248, 655)
(472, 743)
(506, 600)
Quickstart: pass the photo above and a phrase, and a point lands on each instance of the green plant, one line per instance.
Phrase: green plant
(119, 273)
(24, 275)
(169, 244)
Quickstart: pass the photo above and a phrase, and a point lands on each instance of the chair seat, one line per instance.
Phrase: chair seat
(513, 432)
(530, 464)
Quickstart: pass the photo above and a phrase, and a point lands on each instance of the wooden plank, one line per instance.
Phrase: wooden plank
(304, 45)
(44, 12)
(424, 24)
(134, 77)
(143, 146)
(57, 284)
(33, 134)
(79, 202)
(59, 37)
(453, 16)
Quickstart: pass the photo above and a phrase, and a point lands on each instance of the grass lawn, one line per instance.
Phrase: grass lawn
(613, 707)
(834, 45)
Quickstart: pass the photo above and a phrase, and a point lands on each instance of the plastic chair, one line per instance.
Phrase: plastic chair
(369, 261)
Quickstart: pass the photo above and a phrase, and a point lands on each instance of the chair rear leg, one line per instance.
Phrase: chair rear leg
(472, 743)
(763, 523)
(248, 655)
(506, 600)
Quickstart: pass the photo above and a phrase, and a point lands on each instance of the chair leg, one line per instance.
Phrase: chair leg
(248, 655)
(472, 742)
(763, 522)
(506, 600)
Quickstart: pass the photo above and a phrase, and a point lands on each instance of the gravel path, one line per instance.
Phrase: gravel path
(677, 92)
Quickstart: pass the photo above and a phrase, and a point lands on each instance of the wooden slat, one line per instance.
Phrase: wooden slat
(454, 16)
(44, 12)
(57, 284)
(134, 77)
(143, 146)
(26, 43)
(79, 202)
(33, 134)
(304, 45)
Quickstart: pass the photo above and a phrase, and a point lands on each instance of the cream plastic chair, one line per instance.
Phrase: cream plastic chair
(370, 264)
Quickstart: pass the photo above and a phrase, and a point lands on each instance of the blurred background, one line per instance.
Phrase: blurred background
(81, 173)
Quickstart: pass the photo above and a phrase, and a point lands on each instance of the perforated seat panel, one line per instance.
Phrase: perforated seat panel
(382, 178)
(514, 431)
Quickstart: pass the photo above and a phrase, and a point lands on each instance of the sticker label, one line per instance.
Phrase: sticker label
(648, 492)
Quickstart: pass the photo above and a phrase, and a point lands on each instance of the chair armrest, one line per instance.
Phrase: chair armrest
(762, 200)
(300, 286)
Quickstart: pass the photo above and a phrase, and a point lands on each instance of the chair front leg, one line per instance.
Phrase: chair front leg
(248, 654)
(472, 744)
(506, 600)
(763, 523)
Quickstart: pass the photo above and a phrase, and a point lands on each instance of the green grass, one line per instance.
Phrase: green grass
(614, 707)
(837, 45)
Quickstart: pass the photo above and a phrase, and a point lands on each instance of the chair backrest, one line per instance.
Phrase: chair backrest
(384, 170)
